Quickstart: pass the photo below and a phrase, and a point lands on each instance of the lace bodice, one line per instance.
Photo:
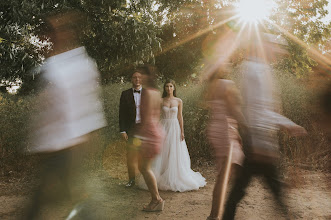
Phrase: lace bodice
(169, 112)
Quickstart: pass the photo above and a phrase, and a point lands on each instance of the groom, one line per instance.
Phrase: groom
(129, 118)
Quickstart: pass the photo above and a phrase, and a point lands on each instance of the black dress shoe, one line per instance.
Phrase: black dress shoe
(131, 183)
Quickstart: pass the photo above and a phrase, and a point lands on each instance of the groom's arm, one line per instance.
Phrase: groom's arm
(122, 120)
(122, 112)
(180, 118)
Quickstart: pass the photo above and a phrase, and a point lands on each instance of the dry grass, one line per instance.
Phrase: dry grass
(114, 160)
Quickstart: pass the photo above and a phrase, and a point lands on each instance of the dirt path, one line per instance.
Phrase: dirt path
(107, 197)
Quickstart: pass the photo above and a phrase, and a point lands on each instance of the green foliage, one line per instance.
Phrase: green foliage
(298, 105)
(179, 56)
(121, 34)
(121, 37)
(117, 34)
(302, 20)
(195, 117)
(14, 129)
(111, 96)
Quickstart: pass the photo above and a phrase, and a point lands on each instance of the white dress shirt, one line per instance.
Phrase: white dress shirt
(71, 106)
(260, 105)
(137, 100)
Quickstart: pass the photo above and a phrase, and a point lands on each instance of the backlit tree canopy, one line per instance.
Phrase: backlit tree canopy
(124, 33)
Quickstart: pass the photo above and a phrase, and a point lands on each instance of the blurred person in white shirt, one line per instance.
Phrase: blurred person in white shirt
(70, 109)
(260, 141)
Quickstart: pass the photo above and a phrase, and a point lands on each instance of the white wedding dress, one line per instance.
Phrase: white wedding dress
(172, 167)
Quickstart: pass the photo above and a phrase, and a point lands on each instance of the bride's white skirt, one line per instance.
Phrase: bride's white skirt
(172, 167)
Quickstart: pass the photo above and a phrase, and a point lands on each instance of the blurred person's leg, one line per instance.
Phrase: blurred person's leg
(271, 175)
(85, 202)
(86, 161)
(149, 177)
(238, 190)
(225, 170)
(54, 181)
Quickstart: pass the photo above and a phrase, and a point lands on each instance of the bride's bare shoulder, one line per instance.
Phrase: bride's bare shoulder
(179, 100)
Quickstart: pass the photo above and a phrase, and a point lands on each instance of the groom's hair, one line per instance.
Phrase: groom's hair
(164, 94)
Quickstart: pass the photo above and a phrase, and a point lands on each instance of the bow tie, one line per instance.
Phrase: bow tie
(136, 91)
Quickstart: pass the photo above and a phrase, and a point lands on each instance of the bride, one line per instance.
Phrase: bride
(172, 167)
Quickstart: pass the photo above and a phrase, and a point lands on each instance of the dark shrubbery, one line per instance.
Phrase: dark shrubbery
(14, 127)
(298, 105)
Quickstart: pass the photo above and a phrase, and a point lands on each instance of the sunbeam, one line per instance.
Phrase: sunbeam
(314, 52)
(254, 11)
(196, 35)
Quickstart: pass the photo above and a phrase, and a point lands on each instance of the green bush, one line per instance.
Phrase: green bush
(195, 117)
(111, 94)
(14, 127)
(300, 104)
(296, 104)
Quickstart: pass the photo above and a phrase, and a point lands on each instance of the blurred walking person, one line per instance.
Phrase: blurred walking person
(70, 111)
(261, 141)
(223, 100)
(150, 136)
(129, 120)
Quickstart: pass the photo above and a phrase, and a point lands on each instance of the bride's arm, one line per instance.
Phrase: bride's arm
(180, 118)
(161, 105)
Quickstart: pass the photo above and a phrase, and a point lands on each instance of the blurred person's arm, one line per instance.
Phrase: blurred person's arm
(296, 131)
(288, 125)
(146, 105)
(180, 118)
(234, 102)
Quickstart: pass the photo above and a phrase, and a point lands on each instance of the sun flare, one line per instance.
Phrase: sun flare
(254, 11)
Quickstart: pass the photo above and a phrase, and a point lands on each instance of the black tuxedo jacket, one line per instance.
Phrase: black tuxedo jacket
(127, 111)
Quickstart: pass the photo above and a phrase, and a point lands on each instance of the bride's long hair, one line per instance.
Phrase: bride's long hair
(164, 94)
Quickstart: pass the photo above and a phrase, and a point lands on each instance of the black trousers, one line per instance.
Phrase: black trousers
(55, 171)
(250, 169)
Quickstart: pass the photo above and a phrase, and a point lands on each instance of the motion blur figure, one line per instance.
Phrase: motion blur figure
(151, 135)
(259, 107)
(70, 111)
(223, 98)
(224, 101)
